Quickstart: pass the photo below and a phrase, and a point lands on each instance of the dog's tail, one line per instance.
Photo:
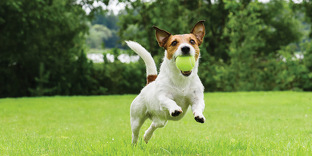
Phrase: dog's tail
(151, 70)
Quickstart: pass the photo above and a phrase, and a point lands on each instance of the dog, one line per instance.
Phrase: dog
(168, 95)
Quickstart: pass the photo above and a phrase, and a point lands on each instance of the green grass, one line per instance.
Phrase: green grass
(255, 123)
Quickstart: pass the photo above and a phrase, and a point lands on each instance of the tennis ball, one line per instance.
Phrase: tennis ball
(185, 63)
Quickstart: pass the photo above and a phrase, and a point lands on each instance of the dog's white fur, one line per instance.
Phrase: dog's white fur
(170, 92)
(145, 55)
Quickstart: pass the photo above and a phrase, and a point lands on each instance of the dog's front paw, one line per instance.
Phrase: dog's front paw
(200, 119)
(176, 112)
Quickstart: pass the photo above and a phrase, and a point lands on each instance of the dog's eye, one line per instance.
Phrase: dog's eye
(174, 43)
(192, 41)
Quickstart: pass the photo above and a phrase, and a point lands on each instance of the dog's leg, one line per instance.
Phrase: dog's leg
(198, 106)
(136, 124)
(168, 104)
(137, 117)
(149, 132)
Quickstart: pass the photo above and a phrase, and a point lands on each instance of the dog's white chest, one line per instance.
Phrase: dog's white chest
(183, 102)
(182, 98)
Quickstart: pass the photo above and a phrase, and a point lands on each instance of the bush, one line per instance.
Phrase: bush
(119, 78)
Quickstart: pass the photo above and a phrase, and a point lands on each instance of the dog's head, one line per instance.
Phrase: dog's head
(185, 44)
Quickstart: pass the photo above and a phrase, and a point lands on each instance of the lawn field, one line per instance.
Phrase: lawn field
(243, 123)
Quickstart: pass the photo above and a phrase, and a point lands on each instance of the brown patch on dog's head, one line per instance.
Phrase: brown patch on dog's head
(172, 42)
(175, 40)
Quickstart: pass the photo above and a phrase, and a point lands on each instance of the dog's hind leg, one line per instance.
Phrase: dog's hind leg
(136, 124)
(137, 117)
(149, 132)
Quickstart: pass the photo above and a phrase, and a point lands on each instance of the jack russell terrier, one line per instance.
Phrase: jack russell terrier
(168, 95)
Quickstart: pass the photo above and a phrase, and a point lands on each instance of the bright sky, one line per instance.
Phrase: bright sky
(115, 6)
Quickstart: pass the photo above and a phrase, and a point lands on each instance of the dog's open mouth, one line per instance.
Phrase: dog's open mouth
(186, 73)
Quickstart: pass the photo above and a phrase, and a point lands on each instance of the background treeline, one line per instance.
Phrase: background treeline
(248, 45)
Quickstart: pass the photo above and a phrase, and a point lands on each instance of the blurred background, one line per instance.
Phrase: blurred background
(76, 47)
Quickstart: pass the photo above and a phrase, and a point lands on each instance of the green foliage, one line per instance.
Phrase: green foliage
(120, 78)
(137, 23)
(244, 28)
(106, 38)
(42, 80)
(244, 46)
(307, 7)
(248, 45)
(307, 62)
(97, 35)
(109, 20)
(82, 81)
(35, 32)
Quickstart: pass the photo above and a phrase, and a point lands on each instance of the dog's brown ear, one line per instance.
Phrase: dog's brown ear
(199, 31)
(162, 36)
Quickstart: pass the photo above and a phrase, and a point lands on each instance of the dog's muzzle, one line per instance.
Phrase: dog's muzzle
(186, 73)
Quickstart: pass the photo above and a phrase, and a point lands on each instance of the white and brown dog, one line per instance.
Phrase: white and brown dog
(168, 95)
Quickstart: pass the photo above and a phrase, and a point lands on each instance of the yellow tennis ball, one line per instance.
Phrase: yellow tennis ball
(185, 63)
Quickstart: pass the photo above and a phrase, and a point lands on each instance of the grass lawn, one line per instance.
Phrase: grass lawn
(255, 123)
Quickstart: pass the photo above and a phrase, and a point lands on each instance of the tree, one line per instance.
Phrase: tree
(241, 36)
(244, 28)
(33, 32)
(307, 5)
(97, 35)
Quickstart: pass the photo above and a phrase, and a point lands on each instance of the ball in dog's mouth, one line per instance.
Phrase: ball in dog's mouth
(186, 73)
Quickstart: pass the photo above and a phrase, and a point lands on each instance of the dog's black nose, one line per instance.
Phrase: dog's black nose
(185, 50)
